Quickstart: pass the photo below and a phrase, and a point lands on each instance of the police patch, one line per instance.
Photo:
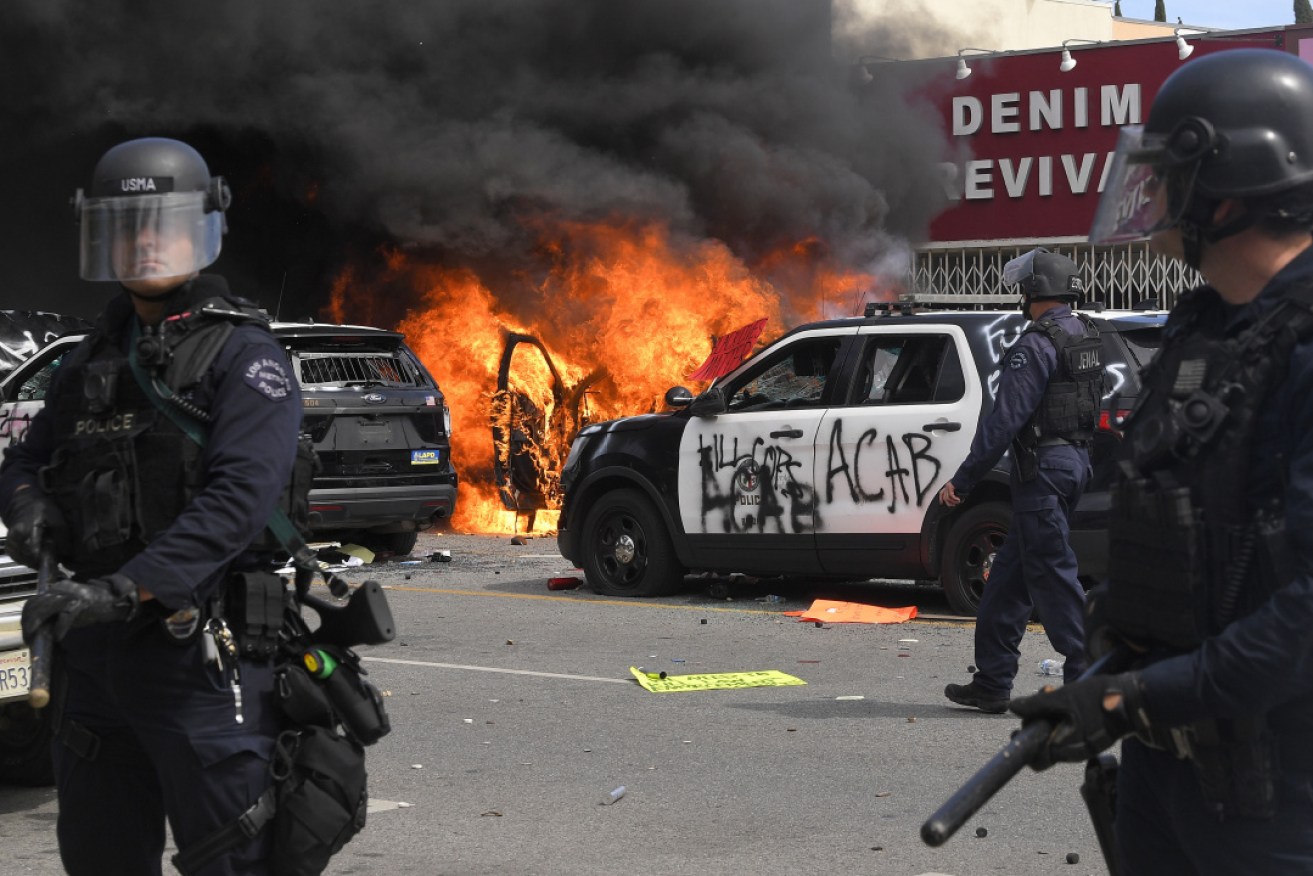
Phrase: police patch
(268, 377)
(1018, 360)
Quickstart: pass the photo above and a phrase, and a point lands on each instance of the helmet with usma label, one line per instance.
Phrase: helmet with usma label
(152, 211)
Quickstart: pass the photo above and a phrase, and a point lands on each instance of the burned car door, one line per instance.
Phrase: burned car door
(885, 449)
(747, 499)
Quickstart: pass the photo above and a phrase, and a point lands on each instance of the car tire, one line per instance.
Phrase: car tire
(25, 737)
(626, 549)
(969, 550)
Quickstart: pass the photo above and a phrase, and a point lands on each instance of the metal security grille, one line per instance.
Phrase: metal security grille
(339, 368)
(1120, 276)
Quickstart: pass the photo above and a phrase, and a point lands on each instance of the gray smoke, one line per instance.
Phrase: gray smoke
(448, 125)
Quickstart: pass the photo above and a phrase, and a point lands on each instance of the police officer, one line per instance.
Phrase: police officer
(1211, 572)
(157, 718)
(1046, 407)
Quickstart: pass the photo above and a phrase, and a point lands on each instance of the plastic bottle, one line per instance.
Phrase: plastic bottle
(1050, 667)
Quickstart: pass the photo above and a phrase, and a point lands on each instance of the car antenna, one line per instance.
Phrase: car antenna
(278, 308)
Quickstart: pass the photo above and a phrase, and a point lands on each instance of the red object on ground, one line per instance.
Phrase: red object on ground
(563, 583)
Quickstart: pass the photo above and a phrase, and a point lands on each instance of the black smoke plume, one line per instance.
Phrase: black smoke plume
(453, 127)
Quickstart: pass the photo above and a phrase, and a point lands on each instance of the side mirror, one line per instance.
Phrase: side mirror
(678, 397)
(709, 403)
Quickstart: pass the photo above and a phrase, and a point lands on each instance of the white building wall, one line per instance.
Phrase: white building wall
(938, 28)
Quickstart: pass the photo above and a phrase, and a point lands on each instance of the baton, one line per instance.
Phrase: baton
(1000, 768)
(42, 647)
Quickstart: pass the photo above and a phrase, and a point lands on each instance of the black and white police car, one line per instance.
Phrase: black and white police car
(821, 457)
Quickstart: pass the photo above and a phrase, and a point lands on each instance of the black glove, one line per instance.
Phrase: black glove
(34, 523)
(68, 604)
(1100, 636)
(1088, 716)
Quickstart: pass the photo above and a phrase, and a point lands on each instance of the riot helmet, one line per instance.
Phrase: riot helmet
(1237, 123)
(152, 210)
(1043, 275)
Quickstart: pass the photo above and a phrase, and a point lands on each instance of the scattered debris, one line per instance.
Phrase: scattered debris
(771, 598)
(809, 661)
(417, 766)
(468, 720)
(440, 557)
(1073, 858)
(830, 611)
(354, 552)
(981, 832)
(564, 583)
(519, 540)
(613, 796)
(713, 681)
(853, 697)
(490, 812)
(911, 719)
(883, 793)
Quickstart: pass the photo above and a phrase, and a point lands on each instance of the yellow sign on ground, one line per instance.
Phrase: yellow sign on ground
(718, 681)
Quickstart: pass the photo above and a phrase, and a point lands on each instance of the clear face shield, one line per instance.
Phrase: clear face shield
(147, 236)
(1020, 268)
(1146, 190)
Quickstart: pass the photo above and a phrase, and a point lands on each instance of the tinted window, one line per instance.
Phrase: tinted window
(1143, 344)
(336, 366)
(909, 369)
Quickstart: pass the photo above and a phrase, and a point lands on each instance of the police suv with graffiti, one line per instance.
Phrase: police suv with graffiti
(821, 456)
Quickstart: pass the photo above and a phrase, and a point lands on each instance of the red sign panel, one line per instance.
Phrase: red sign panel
(1035, 142)
(729, 351)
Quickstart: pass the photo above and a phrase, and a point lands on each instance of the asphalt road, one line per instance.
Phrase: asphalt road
(514, 715)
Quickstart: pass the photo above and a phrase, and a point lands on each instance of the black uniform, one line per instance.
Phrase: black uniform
(1230, 788)
(1036, 566)
(148, 728)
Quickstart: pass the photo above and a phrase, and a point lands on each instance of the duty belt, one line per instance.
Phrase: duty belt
(1056, 441)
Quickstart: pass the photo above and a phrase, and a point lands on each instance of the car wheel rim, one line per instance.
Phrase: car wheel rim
(978, 560)
(621, 549)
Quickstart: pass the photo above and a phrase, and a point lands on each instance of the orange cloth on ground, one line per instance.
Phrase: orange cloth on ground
(831, 612)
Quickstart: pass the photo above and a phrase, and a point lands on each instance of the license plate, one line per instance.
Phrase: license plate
(425, 457)
(15, 666)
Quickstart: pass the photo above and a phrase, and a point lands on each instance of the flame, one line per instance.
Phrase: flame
(624, 310)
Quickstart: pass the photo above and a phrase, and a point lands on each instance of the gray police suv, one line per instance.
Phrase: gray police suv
(821, 456)
(380, 425)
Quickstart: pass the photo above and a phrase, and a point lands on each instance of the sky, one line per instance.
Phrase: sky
(1228, 14)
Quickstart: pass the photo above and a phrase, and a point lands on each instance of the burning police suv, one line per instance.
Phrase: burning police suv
(821, 456)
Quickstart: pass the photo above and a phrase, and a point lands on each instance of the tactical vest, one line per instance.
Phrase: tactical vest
(1190, 550)
(122, 469)
(1070, 407)
(1185, 539)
